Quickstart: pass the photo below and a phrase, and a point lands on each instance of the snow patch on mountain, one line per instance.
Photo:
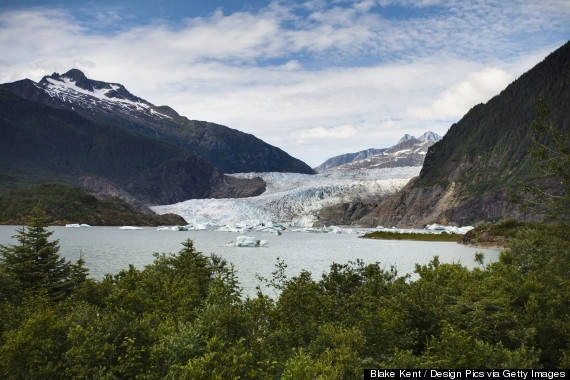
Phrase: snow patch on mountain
(430, 136)
(99, 94)
(292, 199)
(406, 137)
(409, 151)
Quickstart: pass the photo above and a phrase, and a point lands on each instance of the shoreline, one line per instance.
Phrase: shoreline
(485, 245)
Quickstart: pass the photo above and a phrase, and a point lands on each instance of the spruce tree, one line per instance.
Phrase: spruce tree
(550, 154)
(35, 264)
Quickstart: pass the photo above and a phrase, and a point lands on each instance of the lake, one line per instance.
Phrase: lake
(110, 249)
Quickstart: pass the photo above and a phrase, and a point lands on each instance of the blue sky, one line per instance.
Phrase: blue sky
(316, 78)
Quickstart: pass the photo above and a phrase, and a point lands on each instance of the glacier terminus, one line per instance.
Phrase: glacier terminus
(291, 199)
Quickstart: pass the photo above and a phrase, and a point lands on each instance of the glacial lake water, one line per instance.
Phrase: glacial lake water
(110, 249)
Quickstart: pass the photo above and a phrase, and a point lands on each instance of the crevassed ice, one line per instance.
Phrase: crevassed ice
(292, 198)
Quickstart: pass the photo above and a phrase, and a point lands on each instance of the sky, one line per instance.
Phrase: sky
(315, 78)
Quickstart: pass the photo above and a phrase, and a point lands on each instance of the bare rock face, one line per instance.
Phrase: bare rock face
(103, 188)
(345, 214)
(418, 206)
(233, 187)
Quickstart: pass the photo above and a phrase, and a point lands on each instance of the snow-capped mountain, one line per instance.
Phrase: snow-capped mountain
(111, 104)
(333, 162)
(74, 89)
(406, 137)
(430, 136)
(100, 137)
(409, 151)
(293, 199)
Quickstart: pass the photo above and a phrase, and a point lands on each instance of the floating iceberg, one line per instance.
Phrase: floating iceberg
(435, 227)
(130, 228)
(337, 230)
(247, 241)
(438, 228)
(173, 228)
(76, 225)
(272, 228)
(314, 229)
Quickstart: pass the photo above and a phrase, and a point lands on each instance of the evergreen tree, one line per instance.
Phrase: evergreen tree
(550, 160)
(34, 263)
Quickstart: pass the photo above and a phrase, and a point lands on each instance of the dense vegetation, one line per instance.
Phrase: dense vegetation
(496, 233)
(63, 204)
(492, 140)
(390, 235)
(184, 316)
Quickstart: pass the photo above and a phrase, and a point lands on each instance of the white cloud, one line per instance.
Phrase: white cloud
(457, 99)
(324, 133)
(316, 80)
(292, 65)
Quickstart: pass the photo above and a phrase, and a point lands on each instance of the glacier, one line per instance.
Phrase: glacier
(290, 199)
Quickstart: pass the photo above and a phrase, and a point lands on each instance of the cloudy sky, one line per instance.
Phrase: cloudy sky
(316, 78)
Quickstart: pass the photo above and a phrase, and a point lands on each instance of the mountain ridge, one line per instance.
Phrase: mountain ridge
(393, 156)
(42, 144)
(111, 103)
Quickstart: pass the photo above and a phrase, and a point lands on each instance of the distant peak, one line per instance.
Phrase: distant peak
(79, 78)
(430, 136)
(73, 75)
(74, 87)
(405, 138)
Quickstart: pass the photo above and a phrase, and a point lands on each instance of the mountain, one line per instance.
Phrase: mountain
(69, 129)
(342, 159)
(113, 105)
(43, 144)
(405, 138)
(409, 151)
(467, 177)
(430, 137)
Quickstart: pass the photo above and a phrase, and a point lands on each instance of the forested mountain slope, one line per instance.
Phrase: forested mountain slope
(42, 144)
(468, 176)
